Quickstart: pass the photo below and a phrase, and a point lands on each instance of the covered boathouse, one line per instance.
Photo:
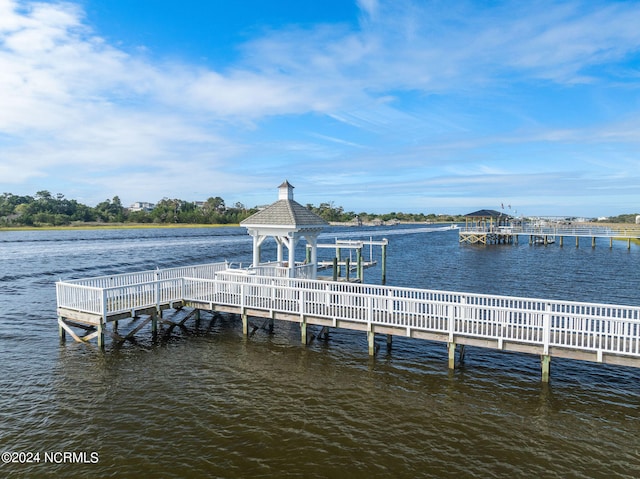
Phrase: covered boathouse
(487, 227)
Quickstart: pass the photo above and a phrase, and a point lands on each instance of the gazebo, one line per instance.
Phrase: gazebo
(287, 221)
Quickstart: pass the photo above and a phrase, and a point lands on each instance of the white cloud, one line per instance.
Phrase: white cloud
(369, 7)
(398, 97)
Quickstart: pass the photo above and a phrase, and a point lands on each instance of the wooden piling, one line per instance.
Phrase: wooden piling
(245, 324)
(451, 348)
(100, 335)
(347, 268)
(545, 362)
(61, 331)
(154, 326)
(384, 264)
(303, 331)
(371, 339)
(324, 333)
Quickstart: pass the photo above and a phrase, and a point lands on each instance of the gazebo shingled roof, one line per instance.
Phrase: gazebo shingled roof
(285, 212)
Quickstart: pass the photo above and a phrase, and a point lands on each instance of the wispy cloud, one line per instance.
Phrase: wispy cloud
(438, 93)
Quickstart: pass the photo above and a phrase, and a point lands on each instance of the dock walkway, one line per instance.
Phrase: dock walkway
(585, 331)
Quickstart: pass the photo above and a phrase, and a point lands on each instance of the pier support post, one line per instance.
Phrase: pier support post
(154, 325)
(335, 269)
(347, 268)
(451, 348)
(100, 335)
(610, 243)
(384, 264)
(245, 324)
(303, 331)
(197, 317)
(561, 241)
(545, 362)
(371, 339)
(324, 333)
(577, 241)
(593, 241)
(389, 341)
(61, 330)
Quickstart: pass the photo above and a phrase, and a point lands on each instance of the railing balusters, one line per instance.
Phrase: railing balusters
(591, 327)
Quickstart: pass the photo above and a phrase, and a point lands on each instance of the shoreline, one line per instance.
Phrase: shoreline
(114, 226)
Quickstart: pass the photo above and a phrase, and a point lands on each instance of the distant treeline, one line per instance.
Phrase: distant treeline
(46, 209)
(629, 218)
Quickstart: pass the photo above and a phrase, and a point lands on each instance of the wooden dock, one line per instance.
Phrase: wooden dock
(586, 331)
(548, 234)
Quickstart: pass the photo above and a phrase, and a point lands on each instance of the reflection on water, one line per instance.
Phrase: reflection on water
(204, 401)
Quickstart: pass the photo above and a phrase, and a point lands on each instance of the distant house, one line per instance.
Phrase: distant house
(141, 206)
(638, 220)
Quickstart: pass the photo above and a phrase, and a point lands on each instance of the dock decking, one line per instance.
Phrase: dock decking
(585, 331)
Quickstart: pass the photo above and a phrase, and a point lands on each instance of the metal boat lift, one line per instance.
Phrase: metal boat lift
(360, 264)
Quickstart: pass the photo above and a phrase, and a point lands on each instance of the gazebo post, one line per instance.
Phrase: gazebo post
(256, 250)
(280, 257)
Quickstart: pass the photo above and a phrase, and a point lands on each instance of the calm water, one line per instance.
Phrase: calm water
(203, 401)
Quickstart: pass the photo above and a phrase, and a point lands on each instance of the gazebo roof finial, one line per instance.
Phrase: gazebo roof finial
(285, 191)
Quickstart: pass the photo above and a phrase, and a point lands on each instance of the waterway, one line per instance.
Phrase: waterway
(204, 401)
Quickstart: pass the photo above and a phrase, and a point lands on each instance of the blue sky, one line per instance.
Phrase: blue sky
(376, 106)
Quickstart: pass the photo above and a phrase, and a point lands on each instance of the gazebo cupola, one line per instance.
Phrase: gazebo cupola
(287, 221)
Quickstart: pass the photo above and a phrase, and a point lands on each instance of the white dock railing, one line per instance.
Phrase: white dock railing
(581, 230)
(205, 271)
(591, 327)
(111, 294)
(599, 328)
(280, 270)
